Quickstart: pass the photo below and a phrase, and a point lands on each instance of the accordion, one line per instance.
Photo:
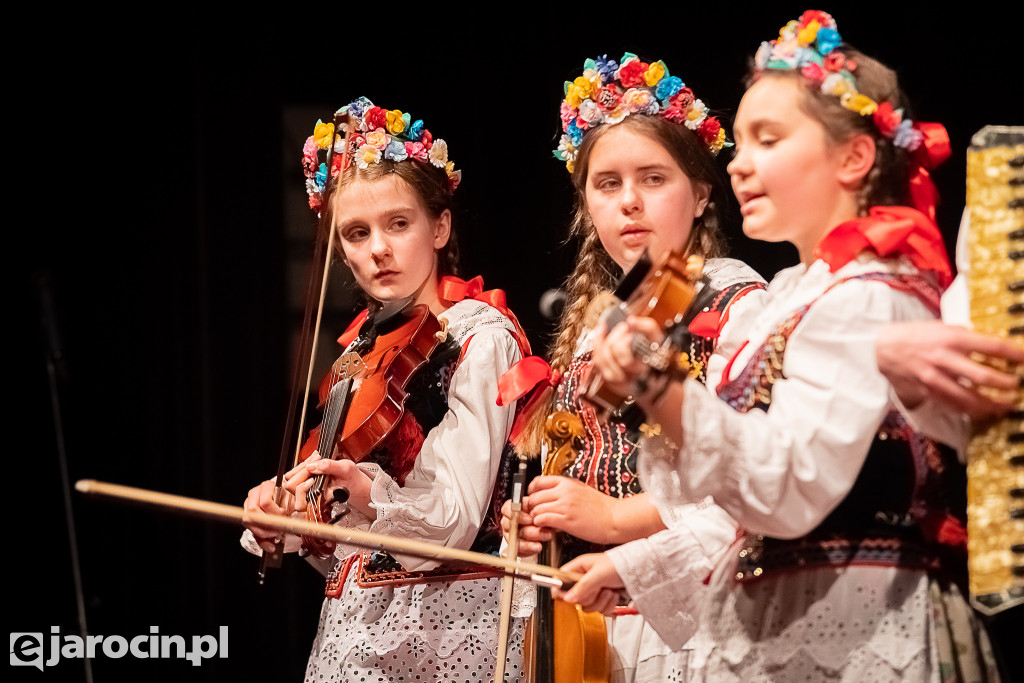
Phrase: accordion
(995, 454)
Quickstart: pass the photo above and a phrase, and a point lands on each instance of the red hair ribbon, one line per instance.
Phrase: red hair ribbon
(522, 377)
(529, 376)
(933, 151)
(888, 231)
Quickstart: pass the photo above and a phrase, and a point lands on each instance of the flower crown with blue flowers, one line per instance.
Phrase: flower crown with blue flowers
(810, 45)
(378, 134)
(608, 92)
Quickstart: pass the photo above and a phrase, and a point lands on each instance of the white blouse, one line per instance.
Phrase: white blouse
(416, 631)
(779, 473)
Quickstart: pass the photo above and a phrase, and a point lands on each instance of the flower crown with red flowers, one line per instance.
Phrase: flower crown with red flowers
(378, 134)
(811, 45)
(608, 92)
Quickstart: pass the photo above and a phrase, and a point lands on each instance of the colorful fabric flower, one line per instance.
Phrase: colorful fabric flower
(395, 151)
(414, 130)
(835, 61)
(682, 99)
(607, 93)
(616, 115)
(631, 73)
(314, 195)
(590, 112)
(358, 107)
(575, 133)
(309, 156)
(808, 33)
(416, 150)
(323, 133)
(637, 100)
(454, 179)
(813, 72)
(606, 68)
(816, 16)
(375, 117)
(721, 140)
(609, 97)
(709, 129)
(396, 121)
(668, 87)
(907, 136)
(378, 138)
(366, 155)
(439, 153)
(674, 114)
(566, 113)
(886, 119)
(828, 40)
(835, 84)
(655, 72)
(698, 111)
(374, 134)
(862, 104)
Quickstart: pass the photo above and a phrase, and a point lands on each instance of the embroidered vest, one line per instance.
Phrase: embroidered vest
(907, 505)
(426, 405)
(608, 459)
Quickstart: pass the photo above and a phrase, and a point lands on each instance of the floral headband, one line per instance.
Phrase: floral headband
(811, 45)
(608, 92)
(378, 134)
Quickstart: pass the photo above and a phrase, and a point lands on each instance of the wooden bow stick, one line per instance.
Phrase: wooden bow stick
(507, 582)
(537, 573)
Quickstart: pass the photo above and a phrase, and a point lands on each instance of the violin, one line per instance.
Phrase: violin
(662, 291)
(363, 398)
(568, 644)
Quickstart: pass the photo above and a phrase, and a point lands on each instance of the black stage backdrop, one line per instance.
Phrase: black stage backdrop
(154, 161)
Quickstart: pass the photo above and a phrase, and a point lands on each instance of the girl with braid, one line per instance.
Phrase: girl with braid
(440, 473)
(641, 150)
(853, 553)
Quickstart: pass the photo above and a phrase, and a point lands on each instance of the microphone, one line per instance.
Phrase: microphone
(552, 303)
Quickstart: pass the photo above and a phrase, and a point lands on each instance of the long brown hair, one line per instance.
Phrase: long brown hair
(595, 271)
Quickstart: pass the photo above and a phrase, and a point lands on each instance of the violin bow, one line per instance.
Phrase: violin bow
(537, 573)
(508, 581)
(319, 273)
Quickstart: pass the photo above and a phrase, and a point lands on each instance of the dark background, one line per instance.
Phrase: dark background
(156, 171)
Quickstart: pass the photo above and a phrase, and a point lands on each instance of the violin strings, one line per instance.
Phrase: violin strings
(331, 410)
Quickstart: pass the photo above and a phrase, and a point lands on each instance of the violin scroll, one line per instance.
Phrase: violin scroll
(664, 294)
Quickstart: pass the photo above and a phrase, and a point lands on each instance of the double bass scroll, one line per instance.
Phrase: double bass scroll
(564, 643)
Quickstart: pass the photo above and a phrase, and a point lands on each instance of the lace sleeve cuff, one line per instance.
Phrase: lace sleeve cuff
(665, 593)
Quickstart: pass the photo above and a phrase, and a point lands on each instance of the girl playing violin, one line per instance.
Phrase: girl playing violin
(439, 474)
(641, 150)
(854, 522)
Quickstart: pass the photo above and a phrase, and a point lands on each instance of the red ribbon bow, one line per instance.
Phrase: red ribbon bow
(888, 231)
(933, 151)
(453, 290)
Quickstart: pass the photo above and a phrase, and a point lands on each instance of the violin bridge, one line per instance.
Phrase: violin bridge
(350, 365)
